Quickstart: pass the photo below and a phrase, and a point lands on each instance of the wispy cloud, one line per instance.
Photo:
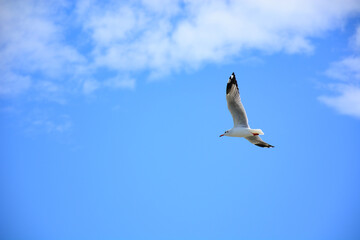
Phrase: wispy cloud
(13, 84)
(355, 40)
(347, 71)
(90, 86)
(51, 126)
(33, 45)
(120, 82)
(70, 44)
(43, 122)
(347, 100)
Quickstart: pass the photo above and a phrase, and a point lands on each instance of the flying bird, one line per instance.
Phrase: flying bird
(241, 127)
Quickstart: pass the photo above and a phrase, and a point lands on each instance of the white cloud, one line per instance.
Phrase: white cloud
(32, 40)
(206, 31)
(64, 42)
(112, 26)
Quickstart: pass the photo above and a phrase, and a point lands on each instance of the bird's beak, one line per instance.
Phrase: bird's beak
(221, 135)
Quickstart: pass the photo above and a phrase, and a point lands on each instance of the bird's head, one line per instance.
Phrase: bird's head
(225, 133)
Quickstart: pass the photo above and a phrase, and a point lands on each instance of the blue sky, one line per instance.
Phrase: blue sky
(110, 116)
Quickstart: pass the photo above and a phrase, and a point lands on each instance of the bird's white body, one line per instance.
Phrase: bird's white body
(243, 132)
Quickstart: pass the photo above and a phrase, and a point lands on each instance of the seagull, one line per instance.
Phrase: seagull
(241, 127)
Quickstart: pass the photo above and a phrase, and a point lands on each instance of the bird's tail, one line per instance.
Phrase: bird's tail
(256, 132)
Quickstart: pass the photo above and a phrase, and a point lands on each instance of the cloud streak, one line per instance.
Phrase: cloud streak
(347, 72)
(92, 85)
(347, 100)
(51, 127)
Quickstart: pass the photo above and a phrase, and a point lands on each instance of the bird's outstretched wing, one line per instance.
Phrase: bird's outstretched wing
(234, 103)
(258, 142)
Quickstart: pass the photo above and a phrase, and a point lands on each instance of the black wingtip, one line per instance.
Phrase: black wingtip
(264, 145)
(232, 81)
